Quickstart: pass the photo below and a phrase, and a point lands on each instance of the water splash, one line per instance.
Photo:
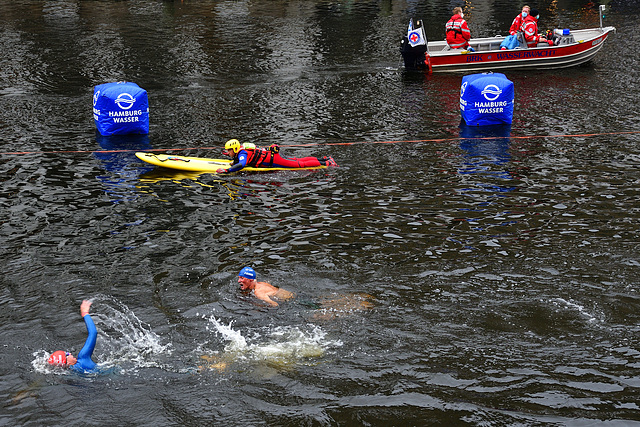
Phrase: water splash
(236, 342)
(591, 318)
(281, 345)
(123, 339)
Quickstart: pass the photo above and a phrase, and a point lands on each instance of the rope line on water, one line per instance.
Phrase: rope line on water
(314, 144)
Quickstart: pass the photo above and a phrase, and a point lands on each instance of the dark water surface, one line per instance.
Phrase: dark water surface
(443, 281)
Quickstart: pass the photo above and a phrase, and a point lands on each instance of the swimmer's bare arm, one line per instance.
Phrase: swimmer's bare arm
(263, 291)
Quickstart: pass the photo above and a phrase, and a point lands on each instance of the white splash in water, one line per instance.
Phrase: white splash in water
(282, 344)
(124, 338)
(236, 342)
(590, 318)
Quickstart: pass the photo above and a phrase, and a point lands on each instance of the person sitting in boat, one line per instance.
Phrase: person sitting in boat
(516, 25)
(530, 30)
(248, 154)
(84, 363)
(458, 33)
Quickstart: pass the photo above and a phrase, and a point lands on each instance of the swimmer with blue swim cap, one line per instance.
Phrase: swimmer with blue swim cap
(262, 290)
(248, 273)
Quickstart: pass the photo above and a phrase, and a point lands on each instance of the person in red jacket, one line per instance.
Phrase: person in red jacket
(458, 34)
(517, 22)
(530, 30)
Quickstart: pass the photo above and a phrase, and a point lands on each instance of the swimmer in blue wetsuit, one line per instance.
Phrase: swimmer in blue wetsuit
(84, 363)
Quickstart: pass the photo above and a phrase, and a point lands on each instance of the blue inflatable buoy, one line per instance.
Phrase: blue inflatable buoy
(120, 108)
(486, 99)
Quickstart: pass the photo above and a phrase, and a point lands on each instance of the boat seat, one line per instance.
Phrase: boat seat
(448, 48)
(488, 46)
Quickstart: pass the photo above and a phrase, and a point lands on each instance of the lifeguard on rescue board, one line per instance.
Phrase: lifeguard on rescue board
(250, 155)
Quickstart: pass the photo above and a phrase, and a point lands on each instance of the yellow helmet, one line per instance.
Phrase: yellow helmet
(233, 144)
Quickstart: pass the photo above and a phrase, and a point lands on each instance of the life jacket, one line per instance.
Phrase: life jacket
(257, 156)
(454, 25)
(270, 157)
(457, 31)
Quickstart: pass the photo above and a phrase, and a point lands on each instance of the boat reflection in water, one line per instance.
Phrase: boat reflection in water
(118, 159)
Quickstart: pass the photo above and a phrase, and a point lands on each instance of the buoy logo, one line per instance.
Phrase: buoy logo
(95, 97)
(125, 101)
(463, 88)
(491, 92)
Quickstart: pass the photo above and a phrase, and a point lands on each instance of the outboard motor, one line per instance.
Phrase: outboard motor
(413, 47)
(120, 108)
(486, 99)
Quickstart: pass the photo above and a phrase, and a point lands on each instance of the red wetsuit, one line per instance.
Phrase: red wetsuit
(264, 158)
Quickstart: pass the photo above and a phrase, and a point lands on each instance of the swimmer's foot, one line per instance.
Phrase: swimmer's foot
(328, 161)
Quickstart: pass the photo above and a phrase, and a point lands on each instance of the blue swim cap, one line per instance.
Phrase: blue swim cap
(248, 272)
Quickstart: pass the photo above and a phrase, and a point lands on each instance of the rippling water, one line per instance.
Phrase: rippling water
(441, 279)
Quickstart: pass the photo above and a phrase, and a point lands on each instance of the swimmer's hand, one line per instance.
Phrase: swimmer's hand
(84, 308)
(221, 170)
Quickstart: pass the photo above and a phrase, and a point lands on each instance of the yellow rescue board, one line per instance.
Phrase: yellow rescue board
(200, 164)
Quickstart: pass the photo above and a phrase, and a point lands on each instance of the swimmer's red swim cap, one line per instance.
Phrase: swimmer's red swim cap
(58, 358)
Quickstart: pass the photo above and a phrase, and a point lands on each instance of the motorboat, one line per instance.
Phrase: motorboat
(571, 48)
